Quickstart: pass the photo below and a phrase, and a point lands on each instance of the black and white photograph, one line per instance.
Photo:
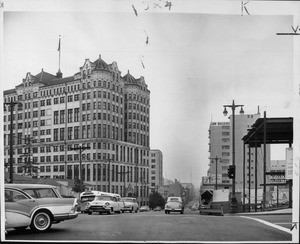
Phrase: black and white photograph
(156, 121)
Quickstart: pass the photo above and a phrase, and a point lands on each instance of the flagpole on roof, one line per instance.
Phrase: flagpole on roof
(59, 53)
(59, 74)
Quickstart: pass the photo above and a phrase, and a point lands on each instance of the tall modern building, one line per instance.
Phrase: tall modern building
(156, 169)
(98, 110)
(219, 149)
(220, 146)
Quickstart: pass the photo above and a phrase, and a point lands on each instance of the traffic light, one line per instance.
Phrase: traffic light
(231, 172)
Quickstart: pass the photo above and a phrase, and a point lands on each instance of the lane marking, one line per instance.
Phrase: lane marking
(269, 224)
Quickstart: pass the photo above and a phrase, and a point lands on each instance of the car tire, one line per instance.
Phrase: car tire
(41, 221)
(181, 212)
(166, 212)
(122, 211)
(89, 213)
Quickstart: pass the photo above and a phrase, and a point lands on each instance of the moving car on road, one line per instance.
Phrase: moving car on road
(144, 209)
(22, 210)
(130, 204)
(174, 204)
(108, 203)
(88, 196)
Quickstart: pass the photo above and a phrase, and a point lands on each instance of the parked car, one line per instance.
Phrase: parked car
(158, 208)
(144, 209)
(174, 204)
(110, 203)
(22, 210)
(130, 204)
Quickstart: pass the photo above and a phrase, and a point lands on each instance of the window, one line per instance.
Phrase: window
(55, 120)
(62, 116)
(70, 115)
(62, 99)
(76, 115)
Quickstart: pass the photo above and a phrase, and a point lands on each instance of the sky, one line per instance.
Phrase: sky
(193, 63)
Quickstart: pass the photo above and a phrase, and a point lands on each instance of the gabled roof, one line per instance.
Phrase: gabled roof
(100, 64)
(44, 77)
(128, 78)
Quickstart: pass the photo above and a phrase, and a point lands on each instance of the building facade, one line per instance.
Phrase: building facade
(98, 110)
(219, 149)
(156, 169)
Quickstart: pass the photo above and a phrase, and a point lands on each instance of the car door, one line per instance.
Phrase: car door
(18, 208)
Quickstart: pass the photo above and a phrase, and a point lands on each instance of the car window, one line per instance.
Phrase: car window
(103, 198)
(14, 196)
(41, 193)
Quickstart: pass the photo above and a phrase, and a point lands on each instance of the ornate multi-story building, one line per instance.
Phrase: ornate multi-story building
(95, 119)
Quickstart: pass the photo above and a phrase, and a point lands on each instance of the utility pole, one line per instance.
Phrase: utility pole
(216, 159)
(124, 180)
(108, 174)
(80, 149)
(11, 145)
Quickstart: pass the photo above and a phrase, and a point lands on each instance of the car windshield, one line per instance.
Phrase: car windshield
(87, 198)
(103, 198)
(174, 199)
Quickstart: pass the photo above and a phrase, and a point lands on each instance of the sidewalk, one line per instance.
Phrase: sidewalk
(271, 212)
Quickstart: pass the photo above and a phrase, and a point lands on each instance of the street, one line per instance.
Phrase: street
(158, 226)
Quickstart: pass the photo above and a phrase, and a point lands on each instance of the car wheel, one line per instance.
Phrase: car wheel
(181, 212)
(89, 213)
(166, 212)
(41, 221)
(100, 213)
(122, 211)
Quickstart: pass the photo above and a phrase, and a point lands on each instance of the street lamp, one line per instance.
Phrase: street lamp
(234, 204)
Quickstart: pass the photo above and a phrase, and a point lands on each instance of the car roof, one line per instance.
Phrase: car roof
(28, 186)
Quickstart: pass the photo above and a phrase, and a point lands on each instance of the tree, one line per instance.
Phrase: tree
(78, 186)
(156, 199)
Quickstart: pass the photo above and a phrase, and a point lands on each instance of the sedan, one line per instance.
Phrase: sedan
(174, 204)
(130, 204)
(22, 210)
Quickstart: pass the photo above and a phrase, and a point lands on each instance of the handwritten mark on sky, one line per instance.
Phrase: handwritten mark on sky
(134, 10)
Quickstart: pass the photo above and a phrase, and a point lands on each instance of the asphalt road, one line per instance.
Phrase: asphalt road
(158, 226)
